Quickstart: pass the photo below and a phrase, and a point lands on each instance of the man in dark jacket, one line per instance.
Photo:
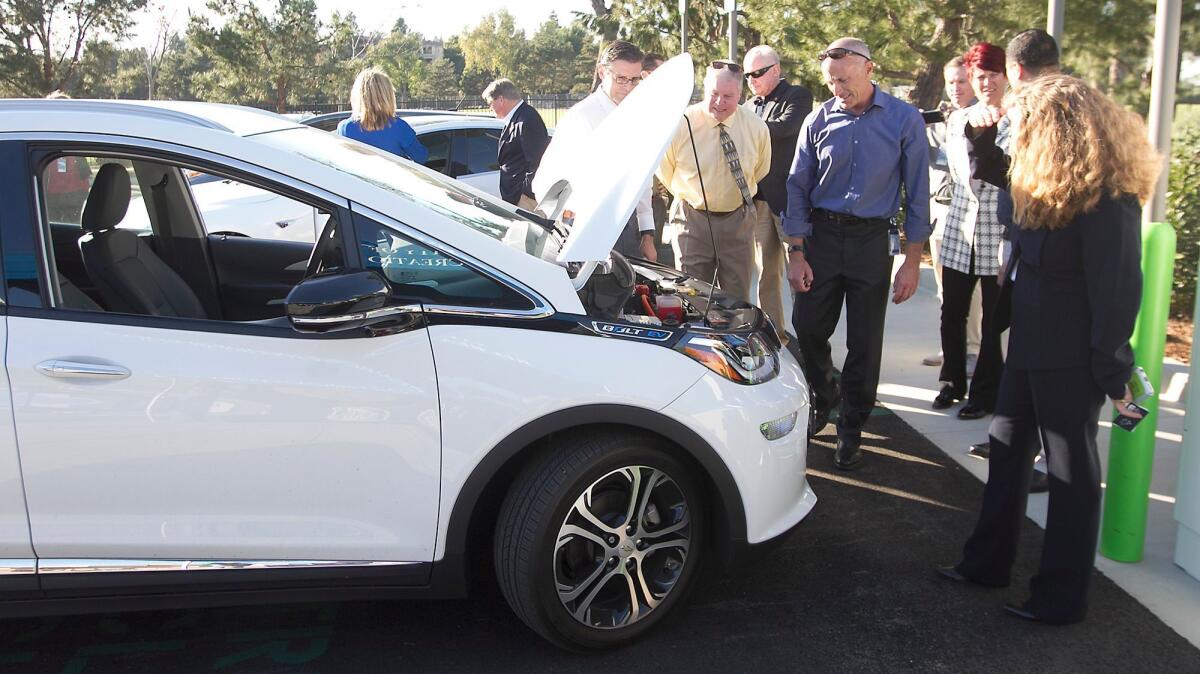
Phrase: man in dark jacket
(522, 142)
(783, 107)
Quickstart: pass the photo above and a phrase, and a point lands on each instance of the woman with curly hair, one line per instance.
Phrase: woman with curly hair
(1080, 169)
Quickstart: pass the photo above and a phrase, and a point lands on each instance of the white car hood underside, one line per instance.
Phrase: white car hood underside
(621, 156)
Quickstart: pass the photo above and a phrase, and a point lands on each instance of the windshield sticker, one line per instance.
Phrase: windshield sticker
(632, 332)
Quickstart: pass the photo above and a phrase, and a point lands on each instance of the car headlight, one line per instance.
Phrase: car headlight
(742, 359)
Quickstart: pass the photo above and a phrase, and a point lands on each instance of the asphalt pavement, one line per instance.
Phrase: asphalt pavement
(851, 590)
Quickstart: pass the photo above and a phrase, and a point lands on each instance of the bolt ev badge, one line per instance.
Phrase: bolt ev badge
(632, 332)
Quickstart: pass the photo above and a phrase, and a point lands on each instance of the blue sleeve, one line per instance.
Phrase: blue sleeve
(341, 127)
(914, 171)
(409, 145)
(800, 181)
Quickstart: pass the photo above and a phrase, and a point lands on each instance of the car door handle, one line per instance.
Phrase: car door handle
(70, 369)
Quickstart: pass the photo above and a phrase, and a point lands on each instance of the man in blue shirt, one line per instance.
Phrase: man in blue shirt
(853, 155)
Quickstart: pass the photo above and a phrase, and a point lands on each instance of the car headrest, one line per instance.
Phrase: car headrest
(108, 200)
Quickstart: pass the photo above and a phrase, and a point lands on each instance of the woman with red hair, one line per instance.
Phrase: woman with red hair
(971, 249)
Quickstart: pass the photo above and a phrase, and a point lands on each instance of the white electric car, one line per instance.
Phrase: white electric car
(194, 418)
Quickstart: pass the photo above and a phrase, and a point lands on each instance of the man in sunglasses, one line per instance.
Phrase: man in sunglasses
(855, 153)
(619, 70)
(783, 107)
(712, 217)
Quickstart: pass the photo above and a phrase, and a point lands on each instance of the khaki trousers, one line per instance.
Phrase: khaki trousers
(688, 230)
(938, 213)
(770, 261)
(527, 203)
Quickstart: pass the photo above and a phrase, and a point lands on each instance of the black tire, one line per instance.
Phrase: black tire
(669, 542)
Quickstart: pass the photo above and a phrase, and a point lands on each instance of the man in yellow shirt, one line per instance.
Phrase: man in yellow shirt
(734, 149)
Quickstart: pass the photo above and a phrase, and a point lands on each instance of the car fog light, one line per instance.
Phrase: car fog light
(773, 430)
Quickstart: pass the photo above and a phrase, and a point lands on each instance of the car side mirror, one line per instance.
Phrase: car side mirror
(340, 302)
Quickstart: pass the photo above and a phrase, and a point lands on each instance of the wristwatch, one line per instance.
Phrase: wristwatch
(798, 248)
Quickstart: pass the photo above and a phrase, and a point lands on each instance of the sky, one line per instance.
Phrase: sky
(431, 18)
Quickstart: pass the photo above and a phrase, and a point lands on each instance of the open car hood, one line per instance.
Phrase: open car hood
(618, 159)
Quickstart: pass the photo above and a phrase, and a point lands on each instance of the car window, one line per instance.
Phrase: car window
(227, 206)
(66, 181)
(418, 185)
(160, 267)
(475, 151)
(438, 145)
(421, 273)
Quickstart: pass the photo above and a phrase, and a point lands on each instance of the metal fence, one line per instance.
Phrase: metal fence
(551, 106)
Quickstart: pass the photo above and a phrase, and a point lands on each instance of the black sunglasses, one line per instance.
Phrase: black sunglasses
(838, 53)
(717, 65)
(755, 74)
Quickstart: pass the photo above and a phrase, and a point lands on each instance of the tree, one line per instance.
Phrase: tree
(495, 46)
(439, 79)
(653, 25)
(42, 41)
(553, 64)
(182, 71)
(399, 55)
(152, 58)
(260, 58)
(107, 70)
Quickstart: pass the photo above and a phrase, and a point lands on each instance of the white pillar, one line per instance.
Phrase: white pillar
(1055, 18)
(731, 10)
(1164, 77)
(1187, 490)
(682, 26)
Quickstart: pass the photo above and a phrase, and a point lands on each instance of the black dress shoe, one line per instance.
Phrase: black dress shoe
(1022, 612)
(818, 419)
(982, 450)
(1040, 483)
(946, 398)
(970, 411)
(848, 454)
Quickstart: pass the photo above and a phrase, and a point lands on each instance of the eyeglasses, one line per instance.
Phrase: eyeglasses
(622, 80)
(733, 67)
(755, 74)
(839, 53)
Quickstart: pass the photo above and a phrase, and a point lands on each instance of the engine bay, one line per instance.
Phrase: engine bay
(649, 294)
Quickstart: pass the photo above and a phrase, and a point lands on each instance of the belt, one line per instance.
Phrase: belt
(719, 214)
(847, 219)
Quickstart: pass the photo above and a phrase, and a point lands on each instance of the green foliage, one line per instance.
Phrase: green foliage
(108, 71)
(552, 61)
(42, 41)
(1183, 211)
(259, 57)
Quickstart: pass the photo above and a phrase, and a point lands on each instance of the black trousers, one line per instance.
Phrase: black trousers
(957, 289)
(1063, 407)
(850, 263)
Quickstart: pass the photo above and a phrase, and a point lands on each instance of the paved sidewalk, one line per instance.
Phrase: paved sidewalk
(908, 388)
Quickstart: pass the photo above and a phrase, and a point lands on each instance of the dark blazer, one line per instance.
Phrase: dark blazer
(1078, 288)
(522, 143)
(784, 110)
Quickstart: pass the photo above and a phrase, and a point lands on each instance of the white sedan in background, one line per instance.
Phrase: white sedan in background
(461, 146)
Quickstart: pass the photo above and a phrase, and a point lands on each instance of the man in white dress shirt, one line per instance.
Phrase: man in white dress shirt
(620, 70)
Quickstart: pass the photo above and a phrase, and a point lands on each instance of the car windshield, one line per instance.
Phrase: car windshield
(419, 185)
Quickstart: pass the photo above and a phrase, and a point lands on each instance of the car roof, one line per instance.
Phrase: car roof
(233, 119)
(406, 113)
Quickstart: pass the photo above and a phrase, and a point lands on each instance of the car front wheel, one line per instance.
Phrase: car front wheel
(598, 540)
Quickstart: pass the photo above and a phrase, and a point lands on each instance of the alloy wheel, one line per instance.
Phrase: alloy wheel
(622, 547)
